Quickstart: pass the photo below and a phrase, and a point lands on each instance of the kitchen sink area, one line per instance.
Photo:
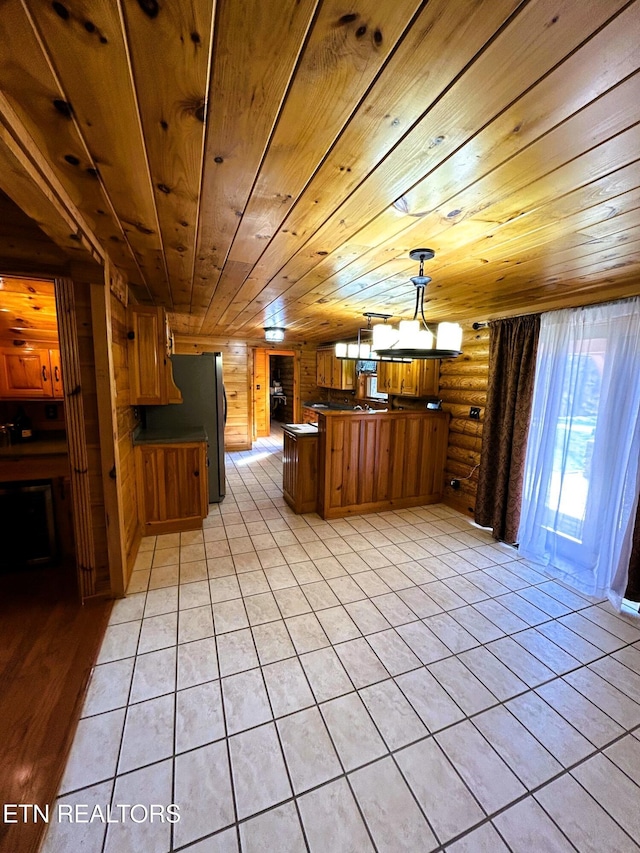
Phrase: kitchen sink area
(341, 407)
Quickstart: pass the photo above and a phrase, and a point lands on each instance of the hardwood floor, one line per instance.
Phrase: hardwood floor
(48, 643)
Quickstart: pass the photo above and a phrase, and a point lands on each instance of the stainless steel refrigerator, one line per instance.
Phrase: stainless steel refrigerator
(199, 378)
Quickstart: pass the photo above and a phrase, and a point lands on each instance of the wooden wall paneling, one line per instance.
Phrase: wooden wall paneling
(76, 439)
(170, 54)
(247, 89)
(459, 379)
(108, 430)
(108, 113)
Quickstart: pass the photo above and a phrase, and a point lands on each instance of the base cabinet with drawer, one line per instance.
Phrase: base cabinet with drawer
(172, 486)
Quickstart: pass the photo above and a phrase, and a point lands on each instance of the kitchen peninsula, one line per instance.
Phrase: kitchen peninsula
(367, 461)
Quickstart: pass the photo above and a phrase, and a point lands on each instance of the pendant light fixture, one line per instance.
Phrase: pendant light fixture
(414, 339)
(362, 348)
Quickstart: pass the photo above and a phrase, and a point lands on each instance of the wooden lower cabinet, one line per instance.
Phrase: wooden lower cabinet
(374, 462)
(172, 486)
(300, 471)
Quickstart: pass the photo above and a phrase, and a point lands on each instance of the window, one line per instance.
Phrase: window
(582, 465)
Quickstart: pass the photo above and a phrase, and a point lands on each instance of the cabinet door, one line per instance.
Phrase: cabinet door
(408, 376)
(172, 485)
(384, 375)
(429, 385)
(56, 373)
(147, 356)
(344, 374)
(185, 482)
(324, 364)
(25, 375)
(396, 369)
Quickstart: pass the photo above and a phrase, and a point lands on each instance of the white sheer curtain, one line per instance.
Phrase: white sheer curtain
(582, 469)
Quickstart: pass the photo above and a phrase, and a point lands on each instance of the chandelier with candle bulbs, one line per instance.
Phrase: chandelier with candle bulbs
(414, 338)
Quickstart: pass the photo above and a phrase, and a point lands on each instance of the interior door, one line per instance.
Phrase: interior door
(261, 408)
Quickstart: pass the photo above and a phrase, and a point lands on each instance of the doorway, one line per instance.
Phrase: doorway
(276, 383)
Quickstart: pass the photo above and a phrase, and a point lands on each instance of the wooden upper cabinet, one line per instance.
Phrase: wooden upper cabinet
(332, 372)
(150, 344)
(429, 378)
(30, 374)
(56, 373)
(415, 379)
(324, 361)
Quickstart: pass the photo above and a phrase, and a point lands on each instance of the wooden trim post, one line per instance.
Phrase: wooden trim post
(108, 429)
(76, 437)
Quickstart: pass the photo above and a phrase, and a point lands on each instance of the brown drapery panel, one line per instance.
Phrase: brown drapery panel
(633, 584)
(512, 357)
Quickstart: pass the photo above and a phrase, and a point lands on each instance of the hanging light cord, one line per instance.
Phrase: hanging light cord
(420, 286)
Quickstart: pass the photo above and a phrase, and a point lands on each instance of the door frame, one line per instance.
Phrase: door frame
(297, 409)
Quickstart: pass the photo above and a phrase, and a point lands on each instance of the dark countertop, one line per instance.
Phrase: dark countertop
(301, 429)
(38, 447)
(175, 435)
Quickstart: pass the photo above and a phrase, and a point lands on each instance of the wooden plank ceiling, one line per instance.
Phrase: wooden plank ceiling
(271, 162)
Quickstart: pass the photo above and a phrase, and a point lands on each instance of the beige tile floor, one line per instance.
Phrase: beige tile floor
(390, 682)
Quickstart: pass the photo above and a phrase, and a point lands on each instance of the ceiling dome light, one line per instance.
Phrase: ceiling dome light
(274, 334)
(413, 338)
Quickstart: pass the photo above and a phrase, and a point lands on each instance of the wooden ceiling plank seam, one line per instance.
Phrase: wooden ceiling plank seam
(281, 97)
(338, 213)
(368, 304)
(80, 138)
(537, 240)
(416, 120)
(207, 124)
(106, 112)
(539, 140)
(168, 51)
(341, 288)
(353, 109)
(145, 153)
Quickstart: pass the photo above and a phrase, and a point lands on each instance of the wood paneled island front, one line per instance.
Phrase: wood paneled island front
(374, 461)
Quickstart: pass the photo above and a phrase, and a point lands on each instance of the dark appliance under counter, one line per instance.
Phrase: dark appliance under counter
(27, 525)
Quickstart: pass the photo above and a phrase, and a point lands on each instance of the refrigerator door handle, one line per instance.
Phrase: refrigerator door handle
(224, 404)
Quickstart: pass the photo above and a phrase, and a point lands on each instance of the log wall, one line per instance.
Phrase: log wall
(463, 384)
